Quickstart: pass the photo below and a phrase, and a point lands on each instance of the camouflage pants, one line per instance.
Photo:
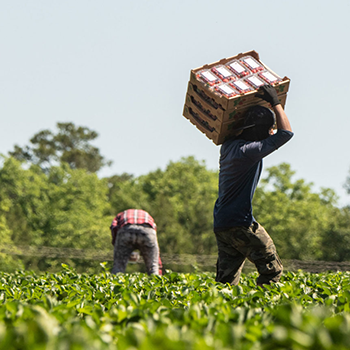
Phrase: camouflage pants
(254, 243)
(131, 237)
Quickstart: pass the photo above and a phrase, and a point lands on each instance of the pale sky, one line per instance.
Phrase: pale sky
(121, 68)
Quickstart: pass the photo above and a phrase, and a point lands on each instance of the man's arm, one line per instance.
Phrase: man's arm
(114, 229)
(260, 149)
(282, 120)
(269, 94)
(114, 235)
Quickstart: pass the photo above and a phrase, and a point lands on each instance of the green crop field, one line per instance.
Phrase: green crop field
(67, 310)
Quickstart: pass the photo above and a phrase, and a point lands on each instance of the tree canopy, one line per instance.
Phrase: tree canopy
(62, 208)
(71, 144)
(297, 218)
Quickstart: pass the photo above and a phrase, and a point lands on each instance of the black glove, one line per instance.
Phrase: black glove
(269, 94)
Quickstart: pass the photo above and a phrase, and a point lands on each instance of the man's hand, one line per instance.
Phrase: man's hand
(269, 94)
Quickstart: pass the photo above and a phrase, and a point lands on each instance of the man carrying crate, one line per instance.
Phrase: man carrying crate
(135, 229)
(237, 233)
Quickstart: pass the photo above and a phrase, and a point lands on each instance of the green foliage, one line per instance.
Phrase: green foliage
(301, 222)
(62, 208)
(79, 201)
(71, 145)
(176, 311)
(181, 200)
(336, 239)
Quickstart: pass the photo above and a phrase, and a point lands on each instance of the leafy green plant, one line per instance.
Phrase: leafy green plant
(174, 311)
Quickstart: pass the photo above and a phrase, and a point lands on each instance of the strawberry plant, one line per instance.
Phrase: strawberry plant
(67, 310)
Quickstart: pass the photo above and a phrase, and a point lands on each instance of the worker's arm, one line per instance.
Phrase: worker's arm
(282, 120)
(269, 94)
(114, 235)
(114, 229)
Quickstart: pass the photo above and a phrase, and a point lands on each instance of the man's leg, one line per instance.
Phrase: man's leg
(147, 243)
(262, 252)
(123, 247)
(230, 261)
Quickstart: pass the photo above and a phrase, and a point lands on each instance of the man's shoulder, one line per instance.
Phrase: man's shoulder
(233, 143)
(233, 147)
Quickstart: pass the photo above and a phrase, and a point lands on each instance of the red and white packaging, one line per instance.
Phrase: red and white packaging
(254, 81)
(226, 90)
(241, 86)
(238, 68)
(208, 77)
(224, 73)
(252, 64)
(269, 77)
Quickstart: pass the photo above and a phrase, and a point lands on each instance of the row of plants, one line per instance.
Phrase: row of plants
(67, 310)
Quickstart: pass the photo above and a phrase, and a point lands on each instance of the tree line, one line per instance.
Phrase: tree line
(51, 195)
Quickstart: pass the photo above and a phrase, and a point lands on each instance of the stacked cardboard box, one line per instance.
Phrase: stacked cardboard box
(218, 116)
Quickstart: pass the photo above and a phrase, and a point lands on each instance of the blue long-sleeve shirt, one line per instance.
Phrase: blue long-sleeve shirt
(240, 170)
